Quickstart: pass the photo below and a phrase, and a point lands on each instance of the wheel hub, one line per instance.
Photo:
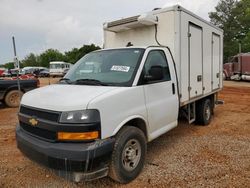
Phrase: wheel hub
(131, 155)
(14, 99)
(207, 113)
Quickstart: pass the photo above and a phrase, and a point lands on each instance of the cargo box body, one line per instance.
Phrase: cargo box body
(196, 46)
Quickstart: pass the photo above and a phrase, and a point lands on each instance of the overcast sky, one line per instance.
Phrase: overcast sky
(63, 24)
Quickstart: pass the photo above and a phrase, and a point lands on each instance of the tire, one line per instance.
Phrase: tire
(128, 155)
(12, 98)
(204, 112)
(224, 76)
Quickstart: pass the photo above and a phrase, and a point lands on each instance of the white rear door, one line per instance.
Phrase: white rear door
(195, 61)
(215, 61)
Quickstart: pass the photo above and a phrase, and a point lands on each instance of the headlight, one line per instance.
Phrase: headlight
(82, 116)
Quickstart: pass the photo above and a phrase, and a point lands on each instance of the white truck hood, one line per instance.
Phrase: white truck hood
(63, 97)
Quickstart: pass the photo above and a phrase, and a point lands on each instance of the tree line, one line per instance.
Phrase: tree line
(233, 16)
(43, 59)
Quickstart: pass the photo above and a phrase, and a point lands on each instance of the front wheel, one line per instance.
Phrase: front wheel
(128, 156)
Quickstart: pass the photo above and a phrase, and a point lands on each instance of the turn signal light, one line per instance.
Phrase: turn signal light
(77, 136)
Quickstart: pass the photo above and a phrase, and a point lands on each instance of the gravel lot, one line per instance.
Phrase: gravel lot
(217, 155)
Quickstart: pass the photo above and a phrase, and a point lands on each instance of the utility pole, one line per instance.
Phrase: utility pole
(239, 57)
(240, 47)
(16, 63)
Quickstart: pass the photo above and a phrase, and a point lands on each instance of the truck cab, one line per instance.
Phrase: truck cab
(128, 89)
(238, 67)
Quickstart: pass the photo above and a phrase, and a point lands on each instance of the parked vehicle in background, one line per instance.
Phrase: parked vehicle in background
(9, 93)
(33, 70)
(2, 70)
(24, 77)
(57, 68)
(27, 70)
(44, 73)
(98, 119)
(14, 72)
(9, 72)
(238, 67)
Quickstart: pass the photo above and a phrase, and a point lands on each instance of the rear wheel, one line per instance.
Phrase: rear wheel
(204, 111)
(128, 156)
(12, 98)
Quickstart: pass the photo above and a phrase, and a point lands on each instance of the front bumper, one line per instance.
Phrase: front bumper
(86, 160)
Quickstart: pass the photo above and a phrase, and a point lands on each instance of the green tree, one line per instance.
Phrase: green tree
(223, 17)
(234, 18)
(30, 60)
(72, 56)
(50, 55)
(242, 12)
(9, 65)
(75, 54)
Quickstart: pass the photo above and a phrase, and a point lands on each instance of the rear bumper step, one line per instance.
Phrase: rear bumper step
(217, 102)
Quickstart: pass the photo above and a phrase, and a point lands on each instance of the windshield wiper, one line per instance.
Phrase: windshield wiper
(65, 80)
(90, 82)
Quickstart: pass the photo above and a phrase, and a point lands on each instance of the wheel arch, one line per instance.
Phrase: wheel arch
(212, 99)
(135, 121)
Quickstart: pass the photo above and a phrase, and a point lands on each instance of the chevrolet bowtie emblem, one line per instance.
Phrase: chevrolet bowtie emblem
(33, 122)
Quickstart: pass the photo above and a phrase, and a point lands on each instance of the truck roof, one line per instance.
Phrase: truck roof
(129, 47)
(241, 54)
(245, 54)
(157, 11)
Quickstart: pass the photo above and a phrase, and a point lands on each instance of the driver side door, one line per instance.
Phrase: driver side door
(161, 96)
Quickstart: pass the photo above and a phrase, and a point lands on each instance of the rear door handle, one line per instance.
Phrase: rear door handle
(173, 88)
(199, 78)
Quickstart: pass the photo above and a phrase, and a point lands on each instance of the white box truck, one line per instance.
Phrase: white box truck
(98, 119)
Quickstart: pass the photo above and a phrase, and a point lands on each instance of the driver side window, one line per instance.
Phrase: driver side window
(155, 58)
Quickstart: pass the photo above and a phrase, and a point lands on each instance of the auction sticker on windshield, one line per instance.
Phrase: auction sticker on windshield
(120, 68)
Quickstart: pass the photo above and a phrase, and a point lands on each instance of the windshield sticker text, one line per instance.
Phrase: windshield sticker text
(89, 63)
(120, 68)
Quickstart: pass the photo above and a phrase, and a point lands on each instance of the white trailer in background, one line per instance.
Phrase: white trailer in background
(196, 46)
(58, 68)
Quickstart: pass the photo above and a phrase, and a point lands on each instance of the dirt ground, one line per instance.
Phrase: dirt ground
(217, 155)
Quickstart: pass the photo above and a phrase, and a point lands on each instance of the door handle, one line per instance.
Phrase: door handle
(199, 78)
(173, 88)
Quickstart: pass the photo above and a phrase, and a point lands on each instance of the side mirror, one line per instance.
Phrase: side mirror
(155, 73)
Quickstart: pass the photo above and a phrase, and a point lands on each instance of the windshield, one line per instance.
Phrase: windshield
(111, 67)
(55, 66)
